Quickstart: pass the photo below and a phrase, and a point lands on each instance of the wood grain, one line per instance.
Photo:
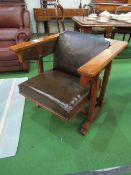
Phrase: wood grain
(95, 65)
(25, 45)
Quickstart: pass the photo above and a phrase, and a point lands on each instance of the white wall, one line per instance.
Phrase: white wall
(72, 3)
(36, 4)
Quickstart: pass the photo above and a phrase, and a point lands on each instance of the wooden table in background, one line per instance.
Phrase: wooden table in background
(46, 14)
(86, 25)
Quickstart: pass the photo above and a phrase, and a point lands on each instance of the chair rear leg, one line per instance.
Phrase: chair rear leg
(104, 84)
(93, 110)
(124, 37)
(129, 38)
(113, 35)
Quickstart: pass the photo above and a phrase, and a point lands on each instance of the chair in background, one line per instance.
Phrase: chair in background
(90, 9)
(14, 28)
(59, 10)
(59, 14)
(122, 30)
(45, 3)
(75, 79)
(95, 30)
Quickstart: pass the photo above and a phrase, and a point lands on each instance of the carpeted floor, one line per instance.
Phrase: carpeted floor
(49, 146)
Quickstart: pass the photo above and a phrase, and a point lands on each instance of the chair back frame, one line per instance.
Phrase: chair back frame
(59, 19)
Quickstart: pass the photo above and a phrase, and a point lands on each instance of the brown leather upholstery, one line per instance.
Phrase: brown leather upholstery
(75, 49)
(59, 90)
(14, 28)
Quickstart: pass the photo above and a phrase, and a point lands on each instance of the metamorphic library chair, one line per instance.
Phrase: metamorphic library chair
(74, 81)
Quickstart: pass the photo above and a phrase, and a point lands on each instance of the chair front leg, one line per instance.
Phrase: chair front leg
(93, 109)
(112, 35)
(40, 66)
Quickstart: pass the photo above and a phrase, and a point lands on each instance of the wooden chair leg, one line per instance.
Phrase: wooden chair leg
(93, 110)
(94, 102)
(40, 66)
(58, 25)
(104, 84)
(113, 35)
(105, 34)
(129, 38)
(124, 37)
(37, 105)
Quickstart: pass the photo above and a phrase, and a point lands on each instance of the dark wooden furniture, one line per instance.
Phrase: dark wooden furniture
(122, 30)
(13, 2)
(60, 17)
(86, 25)
(46, 14)
(45, 3)
(110, 5)
(110, 1)
(14, 28)
(75, 79)
(95, 30)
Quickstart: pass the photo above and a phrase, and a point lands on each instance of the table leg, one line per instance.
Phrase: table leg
(108, 32)
(76, 27)
(37, 28)
(87, 29)
(46, 27)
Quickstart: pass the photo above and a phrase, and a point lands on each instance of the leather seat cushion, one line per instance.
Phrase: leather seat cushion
(60, 93)
(74, 49)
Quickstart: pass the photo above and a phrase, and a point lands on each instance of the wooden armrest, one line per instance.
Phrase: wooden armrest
(36, 48)
(97, 64)
(35, 42)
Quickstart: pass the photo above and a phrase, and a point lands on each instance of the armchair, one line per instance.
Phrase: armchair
(14, 28)
(75, 78)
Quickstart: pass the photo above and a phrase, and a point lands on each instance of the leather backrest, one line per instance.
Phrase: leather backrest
(11, 16)
(74, 49)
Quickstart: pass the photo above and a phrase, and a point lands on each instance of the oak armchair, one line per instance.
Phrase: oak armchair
(74, 80)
